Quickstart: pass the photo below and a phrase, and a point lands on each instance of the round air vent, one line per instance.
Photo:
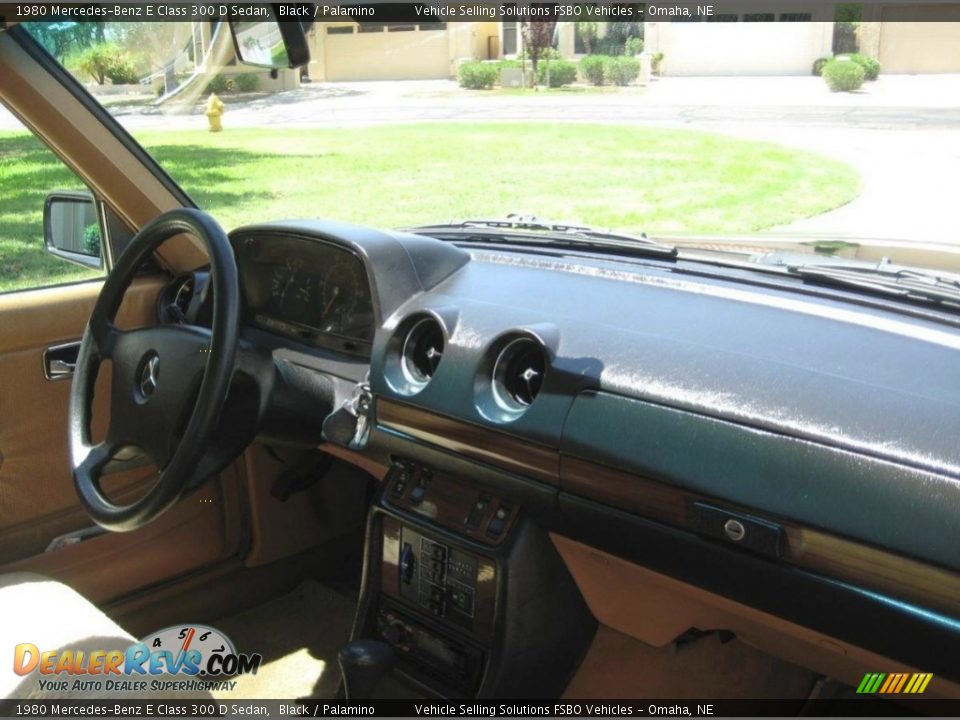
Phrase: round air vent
(184, 295)
(173, 303)
(422, 351)
(518, 373)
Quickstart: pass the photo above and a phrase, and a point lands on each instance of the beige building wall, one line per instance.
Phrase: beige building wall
(422, 52)
(907, 44)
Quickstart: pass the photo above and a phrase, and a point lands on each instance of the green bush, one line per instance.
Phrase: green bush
(562, 72)
(551, 53)
(478, 75)
(622, 69)
(108, 61)
(871, 67)
(818, 65)
(91, 240)
(592, 68)
(633, 46)
(656, 62)
(843, 75)
(247, 82)
(221, 84)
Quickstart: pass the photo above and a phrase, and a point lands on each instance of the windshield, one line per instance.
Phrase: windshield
(816, 131)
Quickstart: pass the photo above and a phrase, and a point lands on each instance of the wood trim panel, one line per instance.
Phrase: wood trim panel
(449, 503)
(806, 548)
(479, 443)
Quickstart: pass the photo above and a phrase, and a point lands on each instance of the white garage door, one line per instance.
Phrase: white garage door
(397, 55)
(743, 48)
(908, 45)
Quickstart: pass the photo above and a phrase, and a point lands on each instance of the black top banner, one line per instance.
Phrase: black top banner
(868, 707)
(400, 11)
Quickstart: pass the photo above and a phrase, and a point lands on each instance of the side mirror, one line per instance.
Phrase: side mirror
(72, 229)
(269, 43)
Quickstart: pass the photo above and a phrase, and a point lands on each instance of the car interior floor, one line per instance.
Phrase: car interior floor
(299, 635)
(713, 665)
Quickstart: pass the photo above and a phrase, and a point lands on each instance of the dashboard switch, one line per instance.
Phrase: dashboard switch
(498, 521)
(407, 562)
(477, 512)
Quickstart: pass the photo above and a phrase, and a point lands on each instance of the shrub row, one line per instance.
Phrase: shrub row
(562, 72)
(619, 69)
(245, 82)
(478, 75)
(484, 75)
(595, 69)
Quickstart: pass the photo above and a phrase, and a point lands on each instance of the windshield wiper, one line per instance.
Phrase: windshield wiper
(528, 230)
(887, 279)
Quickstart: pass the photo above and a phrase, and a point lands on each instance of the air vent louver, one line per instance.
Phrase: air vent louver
(423, 351)
(519, 373)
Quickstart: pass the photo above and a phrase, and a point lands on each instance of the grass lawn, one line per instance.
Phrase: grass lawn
(387, 176)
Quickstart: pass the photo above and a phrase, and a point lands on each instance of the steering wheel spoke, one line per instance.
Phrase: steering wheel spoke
(105, 337)
(96, 457)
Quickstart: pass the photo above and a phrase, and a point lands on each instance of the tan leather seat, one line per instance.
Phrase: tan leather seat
(43, 612)
(37, 610)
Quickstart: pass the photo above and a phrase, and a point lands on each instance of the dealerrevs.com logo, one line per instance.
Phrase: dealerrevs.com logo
(188, 657)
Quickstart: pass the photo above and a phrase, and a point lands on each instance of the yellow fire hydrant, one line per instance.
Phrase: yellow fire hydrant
(213, 111)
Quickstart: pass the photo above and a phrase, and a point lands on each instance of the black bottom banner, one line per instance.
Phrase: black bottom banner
(868, 707)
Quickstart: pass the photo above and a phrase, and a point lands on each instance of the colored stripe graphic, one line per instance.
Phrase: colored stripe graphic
(894, 683)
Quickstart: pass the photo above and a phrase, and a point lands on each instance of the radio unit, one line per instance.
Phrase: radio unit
(425, 652)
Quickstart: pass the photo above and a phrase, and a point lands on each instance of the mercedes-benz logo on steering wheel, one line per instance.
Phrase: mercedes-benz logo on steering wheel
(149, 376)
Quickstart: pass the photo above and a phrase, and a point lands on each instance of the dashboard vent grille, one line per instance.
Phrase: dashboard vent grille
(520, 371)
(423, 351)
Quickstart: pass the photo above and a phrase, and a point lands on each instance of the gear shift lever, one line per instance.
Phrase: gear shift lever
(362, 664)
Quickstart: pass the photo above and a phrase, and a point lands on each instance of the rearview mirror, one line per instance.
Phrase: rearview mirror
(268, 43)
(71, 228)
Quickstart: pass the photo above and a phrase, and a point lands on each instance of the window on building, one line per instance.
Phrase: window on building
(400, 27)
(796, 17)
(759, 17)
(510, 30)
(370, 27)
(723, 17)
(340, 30)
(433, 26)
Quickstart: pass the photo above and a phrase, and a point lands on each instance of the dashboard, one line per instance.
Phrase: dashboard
(639, 406)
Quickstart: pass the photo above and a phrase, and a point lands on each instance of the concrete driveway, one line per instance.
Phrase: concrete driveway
(902, 133)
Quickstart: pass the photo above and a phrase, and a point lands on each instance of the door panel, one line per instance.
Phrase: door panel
(37, 498)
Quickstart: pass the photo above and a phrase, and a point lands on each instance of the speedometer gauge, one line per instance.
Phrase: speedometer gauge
(291, 289)
(341, 290)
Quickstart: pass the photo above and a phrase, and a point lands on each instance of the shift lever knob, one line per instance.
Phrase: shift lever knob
(362, 664)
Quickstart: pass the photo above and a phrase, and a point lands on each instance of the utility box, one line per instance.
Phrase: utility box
(514, 77)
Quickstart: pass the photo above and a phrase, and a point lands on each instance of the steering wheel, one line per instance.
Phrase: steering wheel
(169, 383)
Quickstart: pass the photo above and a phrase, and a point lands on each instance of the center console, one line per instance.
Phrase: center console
(470, 593)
